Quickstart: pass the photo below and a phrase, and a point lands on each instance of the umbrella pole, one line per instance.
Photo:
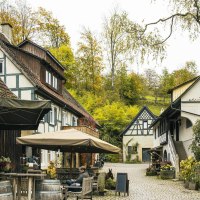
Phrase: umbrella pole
(71, 166)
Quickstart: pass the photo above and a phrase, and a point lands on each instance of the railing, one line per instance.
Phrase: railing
(173, 153)
(84, 129)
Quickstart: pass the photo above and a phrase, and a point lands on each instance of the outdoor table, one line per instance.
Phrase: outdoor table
(17, 183)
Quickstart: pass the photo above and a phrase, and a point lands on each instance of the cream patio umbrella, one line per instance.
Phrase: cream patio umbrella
(70, 140)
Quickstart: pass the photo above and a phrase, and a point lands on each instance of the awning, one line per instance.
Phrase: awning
(18, 114)
(70, 140)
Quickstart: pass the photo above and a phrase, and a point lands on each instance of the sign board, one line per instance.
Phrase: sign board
(122, 183)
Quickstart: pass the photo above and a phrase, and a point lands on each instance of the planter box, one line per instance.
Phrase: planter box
(192, 186)
(167, 174)
(151, 173)
(186, 184)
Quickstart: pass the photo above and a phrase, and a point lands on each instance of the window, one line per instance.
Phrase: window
(64, 119)
(53, 116)
(51, 80)
(48, 77)
(55, 82)
(145, 125)
(1, 66)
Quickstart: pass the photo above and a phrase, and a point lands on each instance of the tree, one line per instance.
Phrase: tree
(185, 15)
(123, 42)
(132, 88)
(184, 74)
(22, 18)
(89, 54)
(53, 34)
(152, 81)
(166, 83)
(66, 57)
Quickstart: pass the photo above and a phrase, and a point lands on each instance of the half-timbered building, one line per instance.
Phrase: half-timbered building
(138, 137)
(33, 73)
(173, 128)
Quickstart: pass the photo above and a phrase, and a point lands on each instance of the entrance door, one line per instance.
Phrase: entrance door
(145, 155)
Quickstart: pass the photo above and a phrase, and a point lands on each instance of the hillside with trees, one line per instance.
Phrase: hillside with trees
(98, 74)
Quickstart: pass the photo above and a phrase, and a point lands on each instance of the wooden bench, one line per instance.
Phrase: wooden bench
(85, 190)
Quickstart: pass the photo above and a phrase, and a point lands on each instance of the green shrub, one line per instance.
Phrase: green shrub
(110, 184)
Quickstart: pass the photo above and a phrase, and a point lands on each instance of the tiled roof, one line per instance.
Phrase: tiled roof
(64, 98)
(5, 92)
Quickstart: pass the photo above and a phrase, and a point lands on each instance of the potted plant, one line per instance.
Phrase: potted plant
(194, 178)
(110, 184)
(167, 171)
(5, 164)
(186, 170)
(101, 183)
(51, 170)
(151, 171)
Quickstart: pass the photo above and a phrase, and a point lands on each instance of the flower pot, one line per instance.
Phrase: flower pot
(186, 184)
(167, 174)
(151, 173)
(101, 193)
(192, 186)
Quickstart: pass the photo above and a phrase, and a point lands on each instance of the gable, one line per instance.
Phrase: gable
(180, 90)
(140, 124)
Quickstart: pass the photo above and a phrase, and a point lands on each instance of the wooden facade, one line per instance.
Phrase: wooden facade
(9, 148)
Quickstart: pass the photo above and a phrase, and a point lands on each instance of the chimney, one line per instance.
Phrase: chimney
(7, 31)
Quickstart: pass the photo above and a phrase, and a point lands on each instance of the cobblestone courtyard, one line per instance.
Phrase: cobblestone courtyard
(148, 188)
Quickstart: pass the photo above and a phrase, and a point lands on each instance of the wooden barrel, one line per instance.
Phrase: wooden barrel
(48, 189)
(6, 190)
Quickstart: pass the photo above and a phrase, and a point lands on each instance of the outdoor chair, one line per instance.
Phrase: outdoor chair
(85, 190)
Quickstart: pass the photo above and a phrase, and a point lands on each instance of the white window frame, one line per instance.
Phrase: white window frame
(2, 61)
(52, 116)
(49, 78)
(55, 82)
(145, 125)
(65, 119)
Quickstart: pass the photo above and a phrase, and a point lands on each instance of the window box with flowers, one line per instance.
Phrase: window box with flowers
(5, 164)
(167, 171)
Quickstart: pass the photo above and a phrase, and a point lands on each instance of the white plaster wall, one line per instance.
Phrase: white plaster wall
(2, 78)
(41, 128)
(143, 141)
(11, 68)
(11, 82)
(16, 93)
(26, 94)
(185, 133)
(24, 82)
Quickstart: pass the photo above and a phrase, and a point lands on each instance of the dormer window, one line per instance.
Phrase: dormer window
(55, 82)
(48, 77)
(51, 80)
(1, 66)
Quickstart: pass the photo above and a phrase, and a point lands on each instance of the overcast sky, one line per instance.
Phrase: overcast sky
(74, 14)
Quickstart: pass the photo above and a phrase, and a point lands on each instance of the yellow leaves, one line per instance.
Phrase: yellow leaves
(51, 170)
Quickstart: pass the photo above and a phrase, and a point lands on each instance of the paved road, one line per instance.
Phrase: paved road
(148, 188)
